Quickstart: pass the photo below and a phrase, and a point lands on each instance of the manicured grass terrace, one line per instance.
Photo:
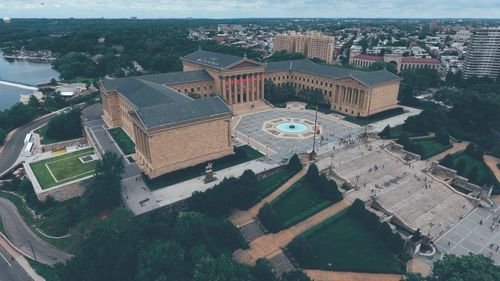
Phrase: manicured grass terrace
(122, 140)
(482, 168)
(375, 117)
(242, 154)
(272, 182)
(64, 168)
(431, 147)
(342, 243)
(300, 201)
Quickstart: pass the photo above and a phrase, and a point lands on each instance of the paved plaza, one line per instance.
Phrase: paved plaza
(251, 127)
(474, 234)
(413, 196)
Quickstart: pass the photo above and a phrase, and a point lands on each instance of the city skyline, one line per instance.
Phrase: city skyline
(244, 9)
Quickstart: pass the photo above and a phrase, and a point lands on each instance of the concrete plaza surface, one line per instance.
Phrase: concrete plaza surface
(477, 233)
(332, 130)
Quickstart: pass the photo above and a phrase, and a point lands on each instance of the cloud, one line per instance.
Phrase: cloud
(251, 8)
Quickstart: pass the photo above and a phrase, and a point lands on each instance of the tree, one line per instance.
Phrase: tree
(294, 164)
(301, 250)
(442, 137)
(263, 271)
(460, 167)
(268, 216)
(3, 135)
(296, 275)
(471, 267)
(159, 260)
(104, 190)
(386, 132)
(447, 161)
(223, 268)
(403, 139)
(474, 174)
(312, 173)
(65, 126)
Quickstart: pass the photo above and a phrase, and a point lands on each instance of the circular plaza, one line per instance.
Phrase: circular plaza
(284, 132)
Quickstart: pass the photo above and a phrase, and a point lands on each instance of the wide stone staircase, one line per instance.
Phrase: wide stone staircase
(281, 264)
(251, 231)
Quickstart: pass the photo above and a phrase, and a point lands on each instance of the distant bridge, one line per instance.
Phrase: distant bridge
(19, 85)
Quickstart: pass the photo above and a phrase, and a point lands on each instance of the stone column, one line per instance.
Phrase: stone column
(223, 89)
(254, 86)
(230, 94)
(247, 86)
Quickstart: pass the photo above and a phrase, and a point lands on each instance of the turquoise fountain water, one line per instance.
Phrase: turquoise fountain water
(292, 127)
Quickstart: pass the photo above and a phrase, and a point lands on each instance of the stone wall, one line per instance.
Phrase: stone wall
(453, 179)
(64, 192)
(55, 146)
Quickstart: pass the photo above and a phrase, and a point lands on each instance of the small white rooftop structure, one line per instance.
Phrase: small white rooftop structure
(26, 98)
(69, 90)
(7, 19)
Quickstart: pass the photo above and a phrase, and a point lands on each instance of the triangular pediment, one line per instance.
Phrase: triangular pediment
(351, 80)
(245, 63)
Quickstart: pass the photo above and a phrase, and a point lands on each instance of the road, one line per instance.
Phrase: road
(14, 146)
(10, 270)
(24, 239)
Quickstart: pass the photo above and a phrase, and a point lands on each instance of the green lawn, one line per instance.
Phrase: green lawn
(375, 117)
(272, 182)
(395, 132)
(300, 201)
(431, 147)
(123, 140)
(242, 154)
(482, 168)
(342, 243)
(64, 168)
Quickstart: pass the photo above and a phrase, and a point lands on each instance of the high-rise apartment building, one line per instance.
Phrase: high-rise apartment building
(312, 44)
(483, 58)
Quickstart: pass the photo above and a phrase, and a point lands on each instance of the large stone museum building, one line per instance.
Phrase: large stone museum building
(172, 130)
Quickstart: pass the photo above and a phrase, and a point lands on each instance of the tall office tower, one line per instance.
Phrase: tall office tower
(312, 44)
(483, 58)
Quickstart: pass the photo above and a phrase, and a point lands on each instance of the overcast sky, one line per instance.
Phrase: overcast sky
(251, 8)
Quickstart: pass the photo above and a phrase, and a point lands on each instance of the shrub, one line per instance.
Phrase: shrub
(403, 139)
(328, 189)
(263, 271)
(474, 174)
(460, 167)
(447, 161)
(312, 174)
(294, 164)
(269, 218)
(386, 132)
(301, 250)
(475, 151)
(442, 137)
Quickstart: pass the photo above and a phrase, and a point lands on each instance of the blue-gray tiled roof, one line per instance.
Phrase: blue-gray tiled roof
(309, 67)
(181, 112)
(142, 93)
(213, 59)
(178, 77)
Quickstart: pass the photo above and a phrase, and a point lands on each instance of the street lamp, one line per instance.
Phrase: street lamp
(313, 152)
(368, 113)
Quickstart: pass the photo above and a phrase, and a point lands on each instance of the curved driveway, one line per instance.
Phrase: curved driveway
(15, 144)
(17, 231)
(25, 240)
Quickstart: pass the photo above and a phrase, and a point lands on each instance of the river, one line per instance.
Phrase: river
(22, 71)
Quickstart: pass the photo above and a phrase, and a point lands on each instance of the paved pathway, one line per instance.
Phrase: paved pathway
(492, 162)
(180, 191)
(270, 245)
(323, 275)
(394, 121)
(456, 148)
(241, 218)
